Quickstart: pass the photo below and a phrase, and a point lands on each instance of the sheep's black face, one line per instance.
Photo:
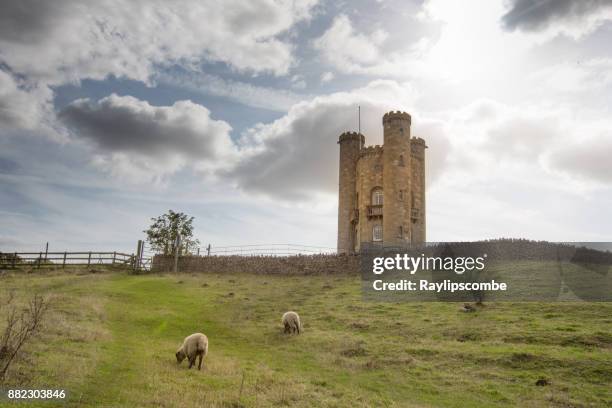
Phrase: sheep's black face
(180, 356)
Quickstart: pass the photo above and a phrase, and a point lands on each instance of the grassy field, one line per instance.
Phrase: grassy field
(110, 338)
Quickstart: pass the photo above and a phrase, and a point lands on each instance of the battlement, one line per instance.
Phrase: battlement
(396, 115)
(418, 141)
(351, 136)
(371, 151)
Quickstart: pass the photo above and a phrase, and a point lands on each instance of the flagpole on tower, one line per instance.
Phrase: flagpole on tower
(359, 119)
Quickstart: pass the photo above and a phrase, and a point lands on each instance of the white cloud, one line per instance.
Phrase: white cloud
(471, 46)
(327, 76)
(576, 77)
(346, 49)
(587, 159)
(46, 45)
(70, 40)
(529, 145)
(22, 107)
(242, 92)
(356, 53)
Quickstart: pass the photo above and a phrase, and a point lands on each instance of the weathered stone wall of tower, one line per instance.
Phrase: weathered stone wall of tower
(369, 176)
(396, 178)
(417, 195)
(350, 146)
(398, 167)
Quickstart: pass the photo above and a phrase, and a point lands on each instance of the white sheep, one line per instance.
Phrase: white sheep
(193, 346)
(291, 322)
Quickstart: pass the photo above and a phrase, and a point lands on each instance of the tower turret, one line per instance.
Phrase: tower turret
(396, 178)
(417, 193)
(350, 146)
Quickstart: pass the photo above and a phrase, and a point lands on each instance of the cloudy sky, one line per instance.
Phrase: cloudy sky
(112, 112)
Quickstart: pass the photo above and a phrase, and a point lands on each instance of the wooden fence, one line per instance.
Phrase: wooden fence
(12, 260)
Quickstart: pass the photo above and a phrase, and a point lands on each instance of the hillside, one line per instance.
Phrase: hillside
(110, 339)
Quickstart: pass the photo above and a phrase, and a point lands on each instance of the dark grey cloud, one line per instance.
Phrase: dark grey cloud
(28, 21)
(296, 156)
(8, 165)
(132, 138)
(534, 15)
(126, 124)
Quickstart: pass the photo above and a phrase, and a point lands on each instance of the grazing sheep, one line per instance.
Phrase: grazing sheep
(193, 346)
(291, 322)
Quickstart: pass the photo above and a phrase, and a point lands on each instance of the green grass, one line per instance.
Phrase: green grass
(109, 340)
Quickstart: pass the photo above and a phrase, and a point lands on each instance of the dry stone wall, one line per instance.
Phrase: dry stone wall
(264, 265)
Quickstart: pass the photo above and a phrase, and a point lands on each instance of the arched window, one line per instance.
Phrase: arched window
(400, 161)
(400, 231)
(377, 234)
(377, 196)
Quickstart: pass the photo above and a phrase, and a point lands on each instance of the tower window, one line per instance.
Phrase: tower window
(377, 196)
(400, 231)
(401, 195)
(377, 233)
(400, 161)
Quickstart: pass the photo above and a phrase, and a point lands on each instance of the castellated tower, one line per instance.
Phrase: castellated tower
(350, 147)
(396, 178)
(417, 193)
(381, 196)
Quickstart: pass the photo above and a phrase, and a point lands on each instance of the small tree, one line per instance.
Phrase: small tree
(162, 234)
(21, 325)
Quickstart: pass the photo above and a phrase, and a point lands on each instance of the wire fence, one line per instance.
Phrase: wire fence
(142, 259)
(265, 250)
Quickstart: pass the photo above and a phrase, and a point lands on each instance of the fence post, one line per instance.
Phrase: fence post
(177, 250)
(208, 250)
(14, 260)
(89, 259)
(39, 259)
(64, 264)
(114, 256)
(46, 251)
(141, 256)
(138, 255)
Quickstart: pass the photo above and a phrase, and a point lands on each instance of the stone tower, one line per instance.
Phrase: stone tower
(396, 178)
(381, 196)
(417, 193)
(350, 147)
